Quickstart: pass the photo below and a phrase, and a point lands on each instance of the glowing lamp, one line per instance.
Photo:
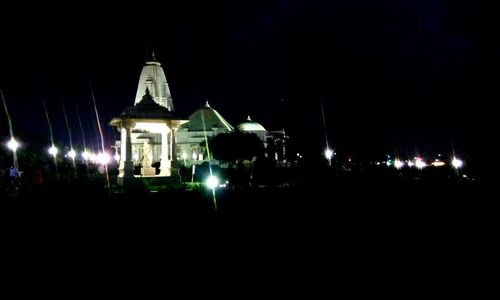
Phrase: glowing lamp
(72, 154)
(53, 150)
(103, 158)
(328, 153)
(419, 163)
(13, 144)
(212, 182)
(398, 164)
(85, 155)
(457, 163)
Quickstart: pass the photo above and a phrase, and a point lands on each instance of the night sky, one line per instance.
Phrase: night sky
(394, 76)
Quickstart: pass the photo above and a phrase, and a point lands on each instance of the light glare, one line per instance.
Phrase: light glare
(457, 163)
(420, 163)
(212, 182)
(13, 144)
(398, 164)
(328, 154)
(72, 154)
(53, 151)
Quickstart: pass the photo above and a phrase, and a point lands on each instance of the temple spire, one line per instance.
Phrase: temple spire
(153, 78)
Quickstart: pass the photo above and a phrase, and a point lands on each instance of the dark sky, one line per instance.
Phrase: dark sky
(394, 76)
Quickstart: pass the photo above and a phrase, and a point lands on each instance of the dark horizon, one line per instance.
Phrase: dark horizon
(394, 76)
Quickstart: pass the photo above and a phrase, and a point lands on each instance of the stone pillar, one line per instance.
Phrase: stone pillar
(170, 144)
(123, 146)
(165, 162)
(128, 164)
(174, 144)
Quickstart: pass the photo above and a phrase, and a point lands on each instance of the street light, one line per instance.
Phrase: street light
(72, 154)
(85, 155)
(329, 155)
(13, 145)
(398, 164)
(53, 151)
(212, 182)
(457, 163)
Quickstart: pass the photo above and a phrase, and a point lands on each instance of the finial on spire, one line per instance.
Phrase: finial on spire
(248, 118)
(206, 104)
(151, 56)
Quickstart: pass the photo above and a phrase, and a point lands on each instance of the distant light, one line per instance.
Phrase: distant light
(13, 144)
(212, 182)
(420, 163)
(85, 155)
(457, 163)
(103, 158)
(410, 163)
(349, 160)
(389, 163)
(117, 157)
(328, 153)
(398, 164)
(438, 163)
(53, 150)
(72, 154)
(298, 154)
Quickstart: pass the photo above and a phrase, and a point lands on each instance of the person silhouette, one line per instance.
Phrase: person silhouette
(13, 173)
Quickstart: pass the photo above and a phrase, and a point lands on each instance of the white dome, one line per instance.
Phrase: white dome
(250, 125)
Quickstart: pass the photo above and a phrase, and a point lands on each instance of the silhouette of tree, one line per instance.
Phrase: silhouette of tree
(235, 147)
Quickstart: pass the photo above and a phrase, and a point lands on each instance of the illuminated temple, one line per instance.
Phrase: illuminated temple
(154, 138)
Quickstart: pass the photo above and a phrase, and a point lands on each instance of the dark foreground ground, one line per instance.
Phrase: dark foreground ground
(348, 225)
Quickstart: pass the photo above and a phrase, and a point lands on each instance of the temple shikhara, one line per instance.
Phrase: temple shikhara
(154, 138)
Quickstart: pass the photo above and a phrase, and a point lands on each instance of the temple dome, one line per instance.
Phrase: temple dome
(250, 125)
(206, 118)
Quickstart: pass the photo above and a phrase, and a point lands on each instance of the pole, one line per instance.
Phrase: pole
(192, 173)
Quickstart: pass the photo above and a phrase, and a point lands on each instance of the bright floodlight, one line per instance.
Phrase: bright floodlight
(13, 144)
(212, 182)
(398, 164)
(457, 163)
(328, 153)
(72, 154)
(53, 150)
